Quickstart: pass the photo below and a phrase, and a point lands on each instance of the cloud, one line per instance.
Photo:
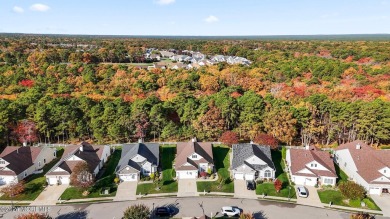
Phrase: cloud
(211, 19)
(18, 9)
(39, 7)
(165, 2)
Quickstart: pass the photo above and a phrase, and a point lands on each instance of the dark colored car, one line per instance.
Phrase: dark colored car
(163, 212)
(250, 185)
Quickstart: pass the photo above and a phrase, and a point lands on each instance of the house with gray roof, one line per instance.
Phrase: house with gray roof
(136, 159)
(252, 161)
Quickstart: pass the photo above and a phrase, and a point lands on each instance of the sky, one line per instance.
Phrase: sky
(195, 17)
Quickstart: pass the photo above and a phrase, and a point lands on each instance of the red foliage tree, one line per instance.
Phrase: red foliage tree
(81, 176)
(266, 139)
(13, 189)
(141, 125)
(26, 132)
(229, 138)
(33, 215)
(278, 185)
(26, 83)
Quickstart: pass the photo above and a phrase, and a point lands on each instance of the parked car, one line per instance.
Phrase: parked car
(164, 212)
(230, 211)
(250, 185)
(302, 192)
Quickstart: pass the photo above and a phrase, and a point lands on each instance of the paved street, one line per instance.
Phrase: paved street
(383, 203)
(194, 206)
(240, 190)
(50, 195)
(126, 191)
(187, 188)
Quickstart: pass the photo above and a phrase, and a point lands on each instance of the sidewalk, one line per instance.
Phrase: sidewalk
(85, 200)
(15, 202)
(338, 207)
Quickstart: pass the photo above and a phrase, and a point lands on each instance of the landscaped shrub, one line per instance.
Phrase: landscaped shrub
(278, 185)
(361, 215)
(137, 211)
(351, 190)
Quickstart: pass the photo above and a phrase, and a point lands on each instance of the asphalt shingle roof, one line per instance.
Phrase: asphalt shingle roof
(150, 151)
(242, 152)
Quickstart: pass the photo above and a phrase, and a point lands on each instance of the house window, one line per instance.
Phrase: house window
(267, 174)
(345, 164)
(44, 160)
(313, 165)
(25, 173)
(328, 181)
(194, 156)
(2, 162)
(39, 164)
(384, 171)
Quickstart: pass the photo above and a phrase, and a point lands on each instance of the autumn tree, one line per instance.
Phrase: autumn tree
(352, 190)
(246, 215)
(280, 122)
(229, 138)
(33, 215)
(265, 139)
(13, 189)
(361, 215)
(26, 132)
(139, 211)
(278, 185)
(211, 124)
(81, 176)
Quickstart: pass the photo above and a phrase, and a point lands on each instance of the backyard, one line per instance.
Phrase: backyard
(106, 180)
(222, 165)
(34, 184)
(268, 187)
(167, 184)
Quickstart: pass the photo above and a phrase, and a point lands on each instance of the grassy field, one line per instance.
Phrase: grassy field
(268, 188)
(222, 165)
(35, 184)
(167, 184)
(106, 180)
(335, 196)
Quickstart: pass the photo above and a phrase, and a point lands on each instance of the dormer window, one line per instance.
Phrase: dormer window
(384, 171)
(194, 156)
(39, 164)
(313, 165)
(2, 162)
(25, 173)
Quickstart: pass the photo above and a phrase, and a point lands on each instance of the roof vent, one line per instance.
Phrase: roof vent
(193, 139)
(140, 140)
(307, 147)
(81, 148)
(358, 146)
(251, 142)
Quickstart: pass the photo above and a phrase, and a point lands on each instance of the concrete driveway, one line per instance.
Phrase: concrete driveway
(187, 188)
(50, 195)
(240, 190)
(383, 203)
(126, 191)
(312, 200)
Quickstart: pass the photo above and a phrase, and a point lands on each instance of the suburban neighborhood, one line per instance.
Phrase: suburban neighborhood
(192, 169)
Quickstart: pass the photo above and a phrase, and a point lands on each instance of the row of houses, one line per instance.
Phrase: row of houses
(310, 166)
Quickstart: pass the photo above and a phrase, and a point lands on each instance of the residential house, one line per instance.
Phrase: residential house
(178, 66)
(155, 57)
(94, 155)
(252, 161)
(166, 54)
(138, 159)
(192, 158)
(365, 165)
(311, 167)
(16, 163)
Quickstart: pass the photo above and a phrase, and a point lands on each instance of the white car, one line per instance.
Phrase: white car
(230, 211)
(302, 192)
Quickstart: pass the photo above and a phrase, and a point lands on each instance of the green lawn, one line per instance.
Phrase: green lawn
(341, 176)
(222, 165)
(106, 180)
(167, 185)
(268, 187)
(335, 196)
(35, 183)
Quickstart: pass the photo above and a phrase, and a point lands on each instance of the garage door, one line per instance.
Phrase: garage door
(6, 179)
(129, 177)
(249, 177)
(187, 174)
(375, 191)
(52, 181)
(64, 180)
(238, 176)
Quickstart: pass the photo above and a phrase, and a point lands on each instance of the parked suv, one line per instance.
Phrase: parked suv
(250, 185)
(163, 212)
(230, 211)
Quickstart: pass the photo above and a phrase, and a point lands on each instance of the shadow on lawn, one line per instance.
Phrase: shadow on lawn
(220, 154)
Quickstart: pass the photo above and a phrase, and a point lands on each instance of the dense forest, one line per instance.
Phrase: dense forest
(59, 88)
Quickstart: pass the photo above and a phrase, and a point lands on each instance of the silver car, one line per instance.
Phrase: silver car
(302, 192)
(230, 211)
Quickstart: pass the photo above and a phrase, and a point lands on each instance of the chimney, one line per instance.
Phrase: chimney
(251, 142)
(17, 150)
(81, 148)
(140, 140)
(358, 146)
(307, 147)
(193, 139)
